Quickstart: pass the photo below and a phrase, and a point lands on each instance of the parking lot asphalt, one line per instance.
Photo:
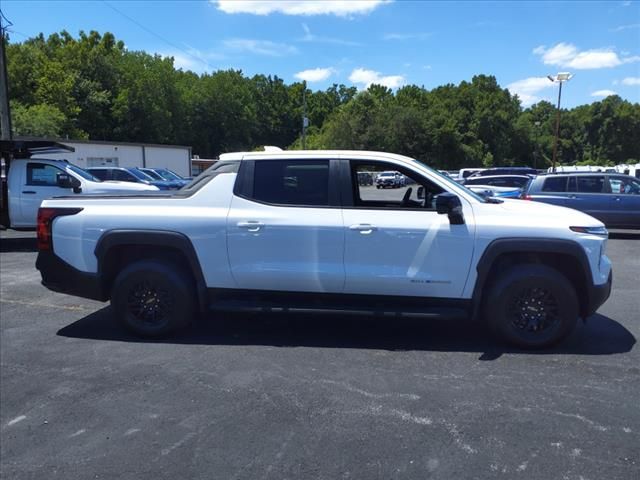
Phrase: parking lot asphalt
(266, 396)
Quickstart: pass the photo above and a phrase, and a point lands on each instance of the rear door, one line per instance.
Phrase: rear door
(285, 228)
(553, 190)
(39, 183)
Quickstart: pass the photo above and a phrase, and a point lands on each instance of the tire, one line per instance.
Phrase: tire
(531, 306)
(378, 187)
(165, 284)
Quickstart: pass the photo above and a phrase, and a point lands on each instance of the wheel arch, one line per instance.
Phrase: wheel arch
(117, 248)
(566, 256)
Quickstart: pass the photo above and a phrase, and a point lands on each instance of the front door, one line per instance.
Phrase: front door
(39, 184)
(590, 194)
(624, 202)
(396, 243)
(284, 228)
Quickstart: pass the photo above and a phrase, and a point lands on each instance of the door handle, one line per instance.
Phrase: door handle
(364, 228)
(617, 199)
(571, 196)
(29, 192)
(251, 226)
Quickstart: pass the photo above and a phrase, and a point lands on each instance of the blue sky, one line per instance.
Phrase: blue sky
(362, 41)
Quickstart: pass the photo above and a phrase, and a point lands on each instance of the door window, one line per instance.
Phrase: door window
(593, 184)
(292, 182)
(383, 185)
(42, 175)
(624, 186)
(123, 176)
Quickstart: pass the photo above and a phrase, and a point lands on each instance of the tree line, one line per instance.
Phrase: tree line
(92, 87)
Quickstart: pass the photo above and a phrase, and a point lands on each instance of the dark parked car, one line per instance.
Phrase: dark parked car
(128, 175)
(614, 199)
(516, 181)
(171, 176)
(505, 171)
(174, 184)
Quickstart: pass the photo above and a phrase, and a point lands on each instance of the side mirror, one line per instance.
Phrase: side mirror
(64, 180)
(420, 193)
(449, 204)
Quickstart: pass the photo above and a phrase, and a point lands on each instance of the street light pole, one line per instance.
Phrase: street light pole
(536, 153)
(559, 78)
(305, 120)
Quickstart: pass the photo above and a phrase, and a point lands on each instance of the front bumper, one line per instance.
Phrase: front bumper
(59, 276)
(598, 294)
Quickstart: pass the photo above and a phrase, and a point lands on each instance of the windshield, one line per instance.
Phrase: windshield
(153, 174)
(83, 173)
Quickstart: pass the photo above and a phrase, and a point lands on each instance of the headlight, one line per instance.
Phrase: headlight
(591, 230)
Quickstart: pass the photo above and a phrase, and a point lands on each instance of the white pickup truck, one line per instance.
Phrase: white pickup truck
(296, 230)
(30, 180)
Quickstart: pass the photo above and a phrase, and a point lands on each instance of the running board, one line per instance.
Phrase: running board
(228, 305)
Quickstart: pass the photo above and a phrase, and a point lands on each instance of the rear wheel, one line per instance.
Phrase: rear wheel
(531, 306)
(152, 298)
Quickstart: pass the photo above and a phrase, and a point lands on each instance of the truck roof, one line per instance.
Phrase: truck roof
(312, 154)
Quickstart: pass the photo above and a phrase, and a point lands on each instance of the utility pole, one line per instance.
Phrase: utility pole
(559, 78)
(5, 115)
(305, 120)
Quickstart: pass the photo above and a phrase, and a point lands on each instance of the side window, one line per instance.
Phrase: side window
(383, 185)
(555, 184)
(593, 184)
(123, 176)
(292, 182)
(43, 175)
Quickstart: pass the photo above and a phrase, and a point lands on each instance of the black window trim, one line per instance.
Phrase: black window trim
(347, 185)
(243, 187)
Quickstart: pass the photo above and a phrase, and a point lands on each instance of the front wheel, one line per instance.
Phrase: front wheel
(531, 306)
(152, 298)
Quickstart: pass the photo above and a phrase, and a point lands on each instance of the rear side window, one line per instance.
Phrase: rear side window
(593, 184)
(123, 175)
(292, 182)
(555, 184)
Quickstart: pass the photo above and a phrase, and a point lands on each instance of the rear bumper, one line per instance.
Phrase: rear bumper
(59, 276)
(598, 295)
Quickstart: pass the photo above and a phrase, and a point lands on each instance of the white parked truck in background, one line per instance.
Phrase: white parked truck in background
(296, 230)
(28, 181)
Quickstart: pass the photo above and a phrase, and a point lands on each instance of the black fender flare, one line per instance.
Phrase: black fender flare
(533, 245)
(158, 238)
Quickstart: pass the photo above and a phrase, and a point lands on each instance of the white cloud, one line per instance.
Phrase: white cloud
(603, 93)
(364, 78)
(631, 81)
(529, 88)
(340, 8)
(310, 37)
(406, 36)
(315, 74)
(260, 47)
(568, 55)
(625, 27)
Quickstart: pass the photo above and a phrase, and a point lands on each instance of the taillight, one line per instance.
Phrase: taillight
(45, 220)
(524, 196)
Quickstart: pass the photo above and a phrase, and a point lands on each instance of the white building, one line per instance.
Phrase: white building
(96, 153)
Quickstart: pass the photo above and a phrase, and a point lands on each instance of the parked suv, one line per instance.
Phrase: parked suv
(614, 199)
(279, 230)
(389, 179)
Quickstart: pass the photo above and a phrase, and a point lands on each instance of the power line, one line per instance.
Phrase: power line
(160, 37)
